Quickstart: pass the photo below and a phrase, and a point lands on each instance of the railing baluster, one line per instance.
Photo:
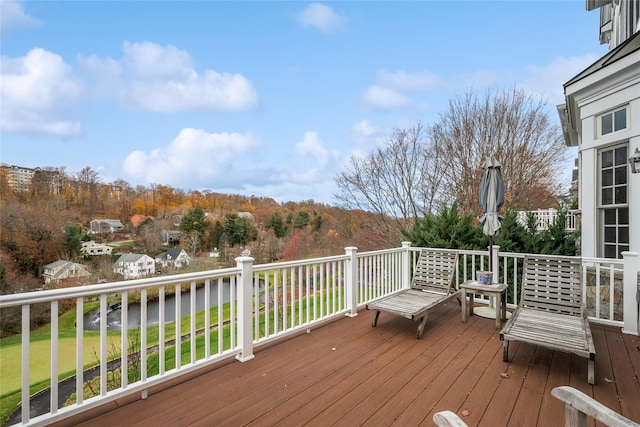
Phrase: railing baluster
(300, 295)
(597, 309)
(103, 344)
(178, 323)
(192, 337)
(612, 291)
(256, 306)
(54, 358)
(316, 268)
(124, 339)
(26, 359)
(207, 318)
(285, 284)
(307, 298)
(276, 301)
(162, 331)
(220, 292)
(143, 334)
(79, 350)
(233, 292)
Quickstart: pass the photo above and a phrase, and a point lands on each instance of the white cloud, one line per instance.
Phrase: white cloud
(314, 169)
(408, 82)
(548, 79)
(194, 157)
(363, 129)
(162, 78)
(13, 17)
(321, 17)
(38, 91)
(385, 99)
(312, 144)
(395, 90)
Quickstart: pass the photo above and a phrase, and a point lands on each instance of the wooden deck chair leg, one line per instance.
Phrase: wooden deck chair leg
(505, 351)
(591, 374)
(375, 318)
(423, 322)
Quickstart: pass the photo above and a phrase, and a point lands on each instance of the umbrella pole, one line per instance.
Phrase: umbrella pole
(490, 253)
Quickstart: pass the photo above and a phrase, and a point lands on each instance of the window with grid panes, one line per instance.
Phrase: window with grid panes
(613, 121)
(614, 207)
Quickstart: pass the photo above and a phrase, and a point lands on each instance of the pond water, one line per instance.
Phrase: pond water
(114, 311)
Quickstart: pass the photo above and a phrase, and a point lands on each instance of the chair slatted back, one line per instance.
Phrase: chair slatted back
(552, 283)
(435, 271)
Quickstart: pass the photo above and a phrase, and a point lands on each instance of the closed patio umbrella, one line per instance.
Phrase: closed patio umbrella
(491, 199)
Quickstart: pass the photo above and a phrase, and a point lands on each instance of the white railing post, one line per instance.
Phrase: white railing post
(351, 284)
(495, 263)
(245, 312)
(406, 265)
(631, 293)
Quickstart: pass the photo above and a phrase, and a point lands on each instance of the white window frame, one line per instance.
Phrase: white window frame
(612, 114)
(602, 207)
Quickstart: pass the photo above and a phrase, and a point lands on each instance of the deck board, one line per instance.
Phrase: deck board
(346, 373)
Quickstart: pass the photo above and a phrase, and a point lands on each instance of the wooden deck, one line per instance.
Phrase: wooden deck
(347, 373)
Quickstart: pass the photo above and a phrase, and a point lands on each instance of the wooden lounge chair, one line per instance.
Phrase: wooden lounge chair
(579, 406)
(448, 419)
(432, 285)
(551, 313)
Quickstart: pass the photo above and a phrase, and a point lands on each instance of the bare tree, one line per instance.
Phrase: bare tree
(419, 171)
(510, 125)
(87, 181)
(398, 181)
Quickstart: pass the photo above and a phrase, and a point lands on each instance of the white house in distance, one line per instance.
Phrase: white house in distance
(63, 270)
(175, 257)
(134, 266)
(602, 118)
(92, 248)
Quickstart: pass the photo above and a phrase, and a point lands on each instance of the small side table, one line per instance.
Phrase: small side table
(496, 290)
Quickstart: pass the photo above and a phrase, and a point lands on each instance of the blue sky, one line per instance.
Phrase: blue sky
(261, 98)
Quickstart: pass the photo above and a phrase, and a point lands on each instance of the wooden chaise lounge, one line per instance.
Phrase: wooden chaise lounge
(432, 285)
(550, 313)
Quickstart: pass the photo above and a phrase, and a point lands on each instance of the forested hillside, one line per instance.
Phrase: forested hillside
(49, 221)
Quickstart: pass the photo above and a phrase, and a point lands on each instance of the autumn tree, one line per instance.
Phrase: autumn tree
(516, 129)
(33, 233)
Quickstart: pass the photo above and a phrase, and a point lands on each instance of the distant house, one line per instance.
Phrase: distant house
(138, 219)
(103, 226)
(92, 248)
(175, 257)
(62, 270)
(170, 237)
(133, 266)
(247, 215)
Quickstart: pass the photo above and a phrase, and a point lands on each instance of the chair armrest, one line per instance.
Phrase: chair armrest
(578, 406)
(448, 419)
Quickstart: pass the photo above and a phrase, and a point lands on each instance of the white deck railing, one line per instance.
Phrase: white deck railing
(250, 306)
(546, 217)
